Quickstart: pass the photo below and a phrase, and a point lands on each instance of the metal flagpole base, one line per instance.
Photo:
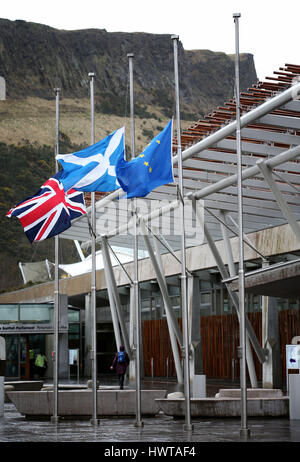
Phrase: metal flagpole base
(245, 432)
(188, 427)
(54, 419)
(139, 424)
(95, 422)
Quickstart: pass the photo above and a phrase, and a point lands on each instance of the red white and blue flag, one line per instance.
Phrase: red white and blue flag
(49, 211)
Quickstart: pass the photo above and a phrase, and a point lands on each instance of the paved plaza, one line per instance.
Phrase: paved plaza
(161, 429)
(113, 435)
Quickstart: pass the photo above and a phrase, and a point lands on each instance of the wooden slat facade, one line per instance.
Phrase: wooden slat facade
(220, 340)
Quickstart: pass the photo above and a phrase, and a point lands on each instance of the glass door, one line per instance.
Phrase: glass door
(24, 357)
(12, 349)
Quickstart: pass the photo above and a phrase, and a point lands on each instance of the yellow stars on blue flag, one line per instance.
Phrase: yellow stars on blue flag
(152, 168)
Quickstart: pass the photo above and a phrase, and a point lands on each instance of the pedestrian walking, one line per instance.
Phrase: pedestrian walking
(120, 364)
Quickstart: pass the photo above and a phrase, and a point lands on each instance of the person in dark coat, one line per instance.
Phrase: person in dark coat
(120, 367)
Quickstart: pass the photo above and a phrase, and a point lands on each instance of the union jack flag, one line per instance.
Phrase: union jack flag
(49, 211)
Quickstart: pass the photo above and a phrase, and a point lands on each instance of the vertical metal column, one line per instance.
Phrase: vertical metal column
(138, 422)
(188, 426)
(94, 420)
(242, 349)
(55, 417)
(132, 335)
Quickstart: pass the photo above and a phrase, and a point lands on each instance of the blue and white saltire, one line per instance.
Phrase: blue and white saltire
(93, 168)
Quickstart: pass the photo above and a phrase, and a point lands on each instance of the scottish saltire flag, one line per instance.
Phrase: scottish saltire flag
(93, 168)
(152, 168)
(49, 211)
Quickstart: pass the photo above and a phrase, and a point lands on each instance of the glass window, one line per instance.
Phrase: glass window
(36, 313)
(226, 302)
(9, 313)
(282, 304)
(205, 286)
(74, 336)
(146, 309)
(256, 303)
(73, 315)
(205, 298)
(12, 349)
(74, 328)
(293, 304)
(176, 301)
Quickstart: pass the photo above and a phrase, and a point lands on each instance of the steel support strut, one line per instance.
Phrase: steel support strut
(113, 289)
(171, 319)
(267, 173)
(224, 274)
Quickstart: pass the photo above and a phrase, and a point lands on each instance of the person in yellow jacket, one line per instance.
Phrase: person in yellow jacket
(41, 364)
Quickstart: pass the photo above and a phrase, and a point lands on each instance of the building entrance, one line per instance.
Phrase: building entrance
(20, 355)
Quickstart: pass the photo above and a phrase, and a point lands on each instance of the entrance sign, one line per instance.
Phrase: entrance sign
(31, 328)
(74, 361)
(292, 360)
(293, 357)
(73, 357)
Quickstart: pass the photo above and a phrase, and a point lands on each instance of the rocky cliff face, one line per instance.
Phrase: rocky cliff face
(35, 58)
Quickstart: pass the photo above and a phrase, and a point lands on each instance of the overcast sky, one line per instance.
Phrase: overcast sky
(269, 30)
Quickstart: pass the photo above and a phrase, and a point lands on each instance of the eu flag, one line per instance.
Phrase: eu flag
(152, 168)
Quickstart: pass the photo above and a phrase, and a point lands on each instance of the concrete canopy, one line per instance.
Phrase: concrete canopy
(270, 125)
(281, 280)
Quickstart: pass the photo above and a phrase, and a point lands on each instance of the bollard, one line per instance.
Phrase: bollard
(294, 396)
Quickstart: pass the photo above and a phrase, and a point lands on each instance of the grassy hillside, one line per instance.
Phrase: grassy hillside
(32, 121)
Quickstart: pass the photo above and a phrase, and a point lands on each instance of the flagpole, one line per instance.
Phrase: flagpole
(94, 419)
(244, 431)
(55, 417)
(188, 426)
(138, 422)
